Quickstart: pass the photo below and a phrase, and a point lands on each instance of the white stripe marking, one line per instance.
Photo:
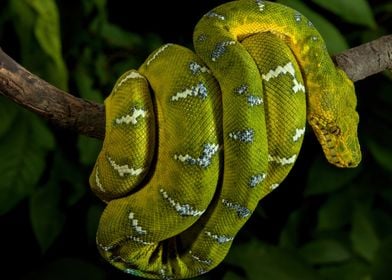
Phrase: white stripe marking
(138, 240)
(219, 238)
(124, 169)
(132, 75)
(135, 224)
(136, 113)
(200, 260)
(182, 209)
(286, 69)
(98, 181)
(198, 90)
(299, 132)
(282, 160)
(158, 52)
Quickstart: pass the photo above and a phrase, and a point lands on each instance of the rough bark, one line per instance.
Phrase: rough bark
(88, 118)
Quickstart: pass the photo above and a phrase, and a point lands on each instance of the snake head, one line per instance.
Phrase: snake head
(334, 120)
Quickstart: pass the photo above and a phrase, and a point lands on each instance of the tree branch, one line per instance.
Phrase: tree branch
(88, 118)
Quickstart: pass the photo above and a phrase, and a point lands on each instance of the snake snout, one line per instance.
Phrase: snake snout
(340, 145)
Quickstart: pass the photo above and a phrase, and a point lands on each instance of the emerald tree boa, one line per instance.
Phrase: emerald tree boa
(195, 140)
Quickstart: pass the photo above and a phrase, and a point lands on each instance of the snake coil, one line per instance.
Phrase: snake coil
(194, 141)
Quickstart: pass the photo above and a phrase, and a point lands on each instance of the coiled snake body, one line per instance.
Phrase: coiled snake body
(194, 141)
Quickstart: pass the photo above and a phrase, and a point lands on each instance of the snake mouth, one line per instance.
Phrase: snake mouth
(339, 147)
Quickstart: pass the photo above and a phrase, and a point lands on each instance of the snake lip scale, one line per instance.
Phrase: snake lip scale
(195, 139)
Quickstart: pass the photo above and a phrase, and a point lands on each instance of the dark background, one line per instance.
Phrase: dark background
(321, 223)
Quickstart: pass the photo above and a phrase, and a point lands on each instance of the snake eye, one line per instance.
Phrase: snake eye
(335, 130)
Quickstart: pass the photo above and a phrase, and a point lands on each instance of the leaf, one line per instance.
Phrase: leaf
(88, 150)
(21, 165)
(92, 220)
(335, 212)
(324, 251)
(380, 148)
(363, 236)
(334, 40)
(40, 133)
(232, 276)
(289, 236)
(46, 216)
(66, 269)
(71, 179)
(272, 263)
(47, 32)
(325, 178)
(118, 37)
(353, 269)
(382, 269)
(85, 82)
(357, 12)
(8, 112)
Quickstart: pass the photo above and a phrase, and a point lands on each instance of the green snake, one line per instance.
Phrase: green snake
(194, 141)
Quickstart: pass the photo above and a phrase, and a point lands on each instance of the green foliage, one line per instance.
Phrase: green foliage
(322, 223)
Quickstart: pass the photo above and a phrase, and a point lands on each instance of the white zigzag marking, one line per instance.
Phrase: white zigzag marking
(220, 238)
(286, 69)
(200, 260)
(98, 182)
(124, 169)
(132, 75)
(204, 160)
(282, 160)
(298, 133)
(261, 5)
(136, 113)
(197, 68)
(220, 49)
(135, 224)
(198, 90)
(158, 52)
(139, 240)
(242, 211)
(212, 14)
(182, 209)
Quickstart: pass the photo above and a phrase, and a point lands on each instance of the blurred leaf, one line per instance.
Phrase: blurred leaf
(358, 11)
(46, 215)
(47, 32)
(335, 212)
(382, 222)
(67, 269)
(21, 165)
(326, 178)
(38, 51)
(232, 276)
(272, 263)
(70, 176)
(117, 37)
(351, 270)
(334, 40)
(88, 150)
(364, 239)
(289, 236)
(90, 4)
(8, 112)
(92, 220)
(101, 69)
(85, 83)
(324, 251)
(380, 148)
(382, 269)
(41, 134)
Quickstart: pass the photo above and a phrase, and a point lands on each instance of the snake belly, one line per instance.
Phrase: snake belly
(194, 141)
